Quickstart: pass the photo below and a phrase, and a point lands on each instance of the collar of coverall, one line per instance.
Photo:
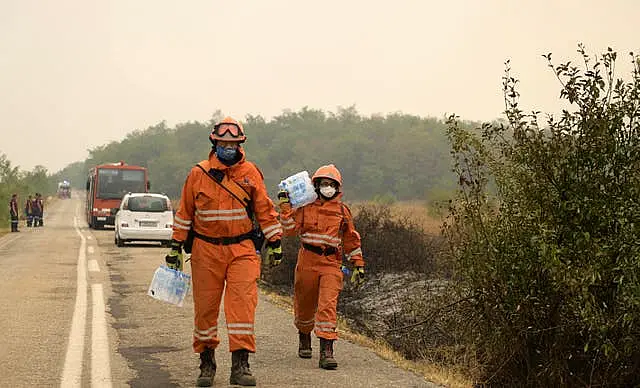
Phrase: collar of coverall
(214, 162)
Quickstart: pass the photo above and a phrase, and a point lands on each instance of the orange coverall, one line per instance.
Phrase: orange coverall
(213, 212)
(318, 278)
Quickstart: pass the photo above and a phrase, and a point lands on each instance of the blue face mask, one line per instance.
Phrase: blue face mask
(226, 153)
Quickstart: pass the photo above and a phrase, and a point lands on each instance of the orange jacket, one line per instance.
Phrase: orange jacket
(324, 224)
(214, 212)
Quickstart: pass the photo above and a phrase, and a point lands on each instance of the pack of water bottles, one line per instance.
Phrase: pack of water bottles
(300, 189)
(169, 285)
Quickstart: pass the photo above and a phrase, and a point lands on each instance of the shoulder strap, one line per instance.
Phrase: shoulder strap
(226, 183)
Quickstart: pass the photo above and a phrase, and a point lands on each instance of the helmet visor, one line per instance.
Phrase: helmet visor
(222, 129)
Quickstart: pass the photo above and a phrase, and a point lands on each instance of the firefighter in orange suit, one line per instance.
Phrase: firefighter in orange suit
(326, 231)
(223, 256)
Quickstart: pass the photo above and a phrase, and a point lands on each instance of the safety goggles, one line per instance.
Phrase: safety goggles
(222, 129)
(328, 182)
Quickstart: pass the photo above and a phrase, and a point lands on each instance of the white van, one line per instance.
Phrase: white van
(144, 217)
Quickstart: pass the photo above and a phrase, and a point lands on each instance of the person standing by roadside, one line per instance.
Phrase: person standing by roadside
(219, 199)
(13, 212)
(327, 233)
(40, 202)
(28, 211)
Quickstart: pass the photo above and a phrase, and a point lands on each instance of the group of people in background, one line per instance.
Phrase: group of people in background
(33, 211)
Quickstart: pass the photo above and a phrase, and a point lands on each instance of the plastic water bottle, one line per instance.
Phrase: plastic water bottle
(169, 285)
(300, 189)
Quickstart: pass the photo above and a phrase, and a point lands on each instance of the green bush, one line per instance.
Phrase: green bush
(549, 259)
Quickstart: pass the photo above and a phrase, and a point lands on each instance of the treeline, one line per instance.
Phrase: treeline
(23, 183)
(396, 157)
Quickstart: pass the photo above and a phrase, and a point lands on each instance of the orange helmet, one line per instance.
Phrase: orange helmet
(329, 171)
(229, 129)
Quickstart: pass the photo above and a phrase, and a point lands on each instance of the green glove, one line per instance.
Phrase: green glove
(274, 253)
(174, 258)
(283, 197)
(357, 277)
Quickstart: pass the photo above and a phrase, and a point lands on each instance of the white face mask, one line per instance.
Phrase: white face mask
(327, 191)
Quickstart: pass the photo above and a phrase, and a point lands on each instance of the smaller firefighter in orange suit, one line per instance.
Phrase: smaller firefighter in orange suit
(223, 255)
(326, 231)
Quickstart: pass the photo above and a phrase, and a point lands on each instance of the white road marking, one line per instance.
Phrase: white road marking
(72, 371)
(91, 249)
(93, 266)
(100, 369)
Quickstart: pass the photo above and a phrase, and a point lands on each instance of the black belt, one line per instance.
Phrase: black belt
(328, 251)
(223, 240)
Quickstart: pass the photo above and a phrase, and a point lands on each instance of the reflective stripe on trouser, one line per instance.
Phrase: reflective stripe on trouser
(211, 265)
(317, 285)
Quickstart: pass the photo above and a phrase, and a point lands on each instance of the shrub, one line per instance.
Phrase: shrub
(550, 261)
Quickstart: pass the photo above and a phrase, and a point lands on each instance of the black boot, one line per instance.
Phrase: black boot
(304, 346)
(240, 372)
(207, 368)
(326, 355)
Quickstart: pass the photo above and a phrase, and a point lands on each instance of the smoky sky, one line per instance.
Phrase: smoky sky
(76, 74)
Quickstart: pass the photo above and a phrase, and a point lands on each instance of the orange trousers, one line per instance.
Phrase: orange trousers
(317, 285)
(232, 270)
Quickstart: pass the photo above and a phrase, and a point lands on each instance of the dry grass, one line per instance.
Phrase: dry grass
(417, 211)
(435, 373)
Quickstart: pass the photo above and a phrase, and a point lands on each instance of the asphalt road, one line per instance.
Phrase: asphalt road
(74, 312)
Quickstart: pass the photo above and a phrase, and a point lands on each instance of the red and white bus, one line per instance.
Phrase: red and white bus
(106, 185)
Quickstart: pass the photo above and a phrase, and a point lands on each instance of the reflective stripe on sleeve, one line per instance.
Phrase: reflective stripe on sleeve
(287, 221)
(270, 228)
(180, 220)
(273, 232)
(355, 252)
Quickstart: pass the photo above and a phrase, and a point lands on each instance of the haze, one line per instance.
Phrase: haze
(75, 74)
